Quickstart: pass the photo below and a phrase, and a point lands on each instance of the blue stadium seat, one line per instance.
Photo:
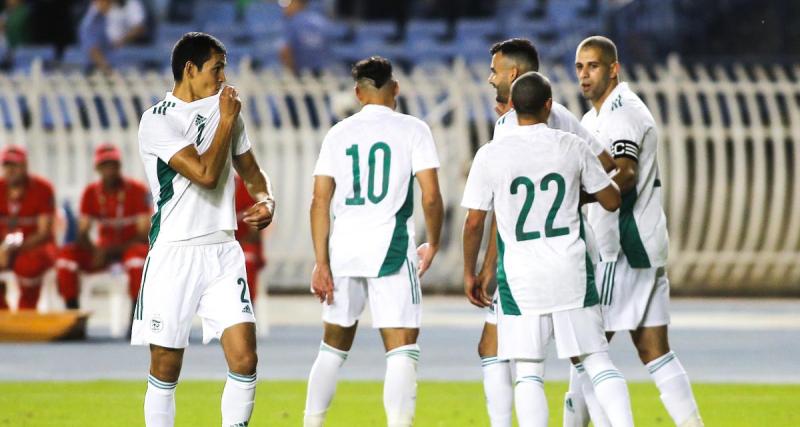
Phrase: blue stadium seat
(427, 29)
(219, 12)
(25, 55)
(170, 33)
(469, 29)
(138, 57)
(373, 32)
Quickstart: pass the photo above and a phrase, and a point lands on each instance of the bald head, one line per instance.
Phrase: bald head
(532, 96)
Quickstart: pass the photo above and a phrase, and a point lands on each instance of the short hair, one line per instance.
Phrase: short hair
(376, 69)
(521, 51)
(529, 92)
(608, 50)
(195, 47)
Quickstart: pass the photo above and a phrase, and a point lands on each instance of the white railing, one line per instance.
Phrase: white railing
(729, 154)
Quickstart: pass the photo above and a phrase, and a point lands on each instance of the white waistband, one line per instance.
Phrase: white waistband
(221, 236)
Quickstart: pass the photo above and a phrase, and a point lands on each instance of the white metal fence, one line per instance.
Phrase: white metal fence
(729, 152)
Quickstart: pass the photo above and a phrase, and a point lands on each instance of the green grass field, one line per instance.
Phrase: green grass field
(280, 403)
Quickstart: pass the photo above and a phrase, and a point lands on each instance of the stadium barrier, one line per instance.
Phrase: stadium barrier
(728, 152)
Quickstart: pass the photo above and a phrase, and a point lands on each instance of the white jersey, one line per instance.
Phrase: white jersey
(373, 156)
(560, 118)
(625, 126)
(184, 210)
(532, 177)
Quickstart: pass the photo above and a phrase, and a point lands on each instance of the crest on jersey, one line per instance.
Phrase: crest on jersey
(156, 324)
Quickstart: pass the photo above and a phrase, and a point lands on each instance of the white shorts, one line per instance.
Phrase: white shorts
(395, 301)
(577, 332)
(491, 310)
(632, 297)
(181, 281)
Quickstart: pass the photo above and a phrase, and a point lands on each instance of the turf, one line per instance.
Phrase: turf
(357, 404)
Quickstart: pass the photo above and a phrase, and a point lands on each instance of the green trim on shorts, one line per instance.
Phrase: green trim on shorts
(137, 313)
(398, 247)
(590, 297)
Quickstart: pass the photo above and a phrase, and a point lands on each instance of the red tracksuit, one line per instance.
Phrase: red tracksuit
(116, 213)
(253, 252)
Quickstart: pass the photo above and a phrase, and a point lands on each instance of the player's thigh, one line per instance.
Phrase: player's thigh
(395, 300)
(225, 301)
(398, 337)
(172, 284)
(166, 363)
(651, 342)
(349, 299)
(239, 346)
(523, 336)
(625, 294)
(657, 310)
(339, 337)
(579, 332)
(487, 347)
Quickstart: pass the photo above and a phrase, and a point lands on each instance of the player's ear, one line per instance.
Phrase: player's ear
(189, 69)
(614, 70)
(396, 89)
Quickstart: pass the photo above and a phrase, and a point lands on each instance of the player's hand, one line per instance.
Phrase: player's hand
(260, 214)
(322, 283)
(229, 103)
(485, 279)
(426, 252)
(475, 295)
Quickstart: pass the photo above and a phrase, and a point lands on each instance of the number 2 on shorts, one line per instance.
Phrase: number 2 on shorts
(244, 298)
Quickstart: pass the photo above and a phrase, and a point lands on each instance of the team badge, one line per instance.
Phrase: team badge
(156, 324)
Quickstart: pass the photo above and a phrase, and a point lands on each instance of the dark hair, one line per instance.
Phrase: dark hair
(608, 50)
(521, 51)
(195, 47)
(375, 68)
(529, 92)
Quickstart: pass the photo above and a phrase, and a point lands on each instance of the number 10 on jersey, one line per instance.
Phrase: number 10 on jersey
(357, 198)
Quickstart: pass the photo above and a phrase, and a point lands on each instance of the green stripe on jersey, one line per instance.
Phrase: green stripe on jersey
(507, 301)
(630, 240)
(398, 247)
(590, 298)
(165, 176)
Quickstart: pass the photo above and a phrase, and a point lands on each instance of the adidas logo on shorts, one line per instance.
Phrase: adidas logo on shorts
(247, 310)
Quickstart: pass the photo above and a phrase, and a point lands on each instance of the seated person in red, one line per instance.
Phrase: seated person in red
(249, 238)
(27, 210)
(121, 208)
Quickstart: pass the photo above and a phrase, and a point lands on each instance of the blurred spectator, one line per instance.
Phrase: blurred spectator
(305, 45)
(126, 22)
(27, 210)
(121, 208)
(14, 23)
(93, 35)
(249, 238)
(53, 22)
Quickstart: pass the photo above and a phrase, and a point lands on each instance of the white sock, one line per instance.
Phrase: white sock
(676, 391)
(322, 384)
(400, 385)
(593, 407)
(575, 412)
(159, 403)
(238, 398)
(529, 399)
(499, 390)
(610, 388)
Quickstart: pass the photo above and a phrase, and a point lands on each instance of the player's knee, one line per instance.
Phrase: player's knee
(651, 352)
(244, 363)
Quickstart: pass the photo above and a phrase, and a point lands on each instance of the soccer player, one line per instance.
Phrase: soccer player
(364, 174)
(633, 243)
(188, 143)
(121, 207)
(27, 211)
(510, 59)
(532, 178)
(249, 238)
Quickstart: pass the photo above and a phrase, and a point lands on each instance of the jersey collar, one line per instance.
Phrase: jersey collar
(375, 108)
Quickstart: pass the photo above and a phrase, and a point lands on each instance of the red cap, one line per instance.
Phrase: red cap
(13, 153)
(106, 152)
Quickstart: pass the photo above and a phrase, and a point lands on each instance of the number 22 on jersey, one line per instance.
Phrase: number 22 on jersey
(530, 192)
(357, 198)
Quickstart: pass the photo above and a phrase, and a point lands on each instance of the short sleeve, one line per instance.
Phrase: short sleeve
(423, 154)
(88, 207)
(478, 190)
(241, 143)
(561, 118)
(47, 199)
(160, 137)
(324, 164)
(593, 177)
(625, 136)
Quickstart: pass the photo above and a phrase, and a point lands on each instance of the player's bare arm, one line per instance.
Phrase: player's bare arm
(489, 266)
(320, 213)
(607, 161)
(472, 236)
(258, 185)
(84, 227)
(628, 174)
(433, 208)
(44, 232)
(609, 197)
(205, 169)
